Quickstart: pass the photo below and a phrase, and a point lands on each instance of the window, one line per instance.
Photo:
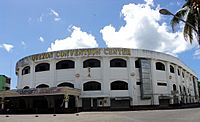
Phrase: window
(66, 84)
(92, 86)
(160, 66)
(138, 83)
(171, 69)
(42, 67)
(7, 88)
(137, 64)
(65, 64)
(184, 90)
(183, 74)
(118, 63)
(26, 70)
(178, 72)
(119, 85)
(180, 89)
(42, 86)
(174, 87)
(26, 87)
(188, 90)
(91, 63)
(162, 84)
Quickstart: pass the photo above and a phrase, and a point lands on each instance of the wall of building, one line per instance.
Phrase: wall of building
(106, 74)
(4, 83)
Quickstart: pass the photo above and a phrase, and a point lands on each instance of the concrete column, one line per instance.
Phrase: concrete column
(29, 102)
(131, 76)
(50, 101)
(66, 104)
(105, 75)
(66, 99)
(33, 82)
(154, 100)
(76, 99)
(2, 104)
(167, 70)
(78, 73)
(52, 73)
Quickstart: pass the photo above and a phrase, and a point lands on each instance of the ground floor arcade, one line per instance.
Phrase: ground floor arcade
(43, 100)
(65, 99)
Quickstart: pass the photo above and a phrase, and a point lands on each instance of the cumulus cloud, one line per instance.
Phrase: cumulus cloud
(143, 29)
(77, 39)
(7, 47)
(41, 39)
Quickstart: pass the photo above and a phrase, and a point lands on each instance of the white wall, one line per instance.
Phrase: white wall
(106, 74)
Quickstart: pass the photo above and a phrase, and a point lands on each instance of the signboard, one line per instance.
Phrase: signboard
(145, 77)
(74, 53)
(81, 52)
(34, 91)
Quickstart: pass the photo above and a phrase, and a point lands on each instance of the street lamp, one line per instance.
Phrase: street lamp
(167, 12)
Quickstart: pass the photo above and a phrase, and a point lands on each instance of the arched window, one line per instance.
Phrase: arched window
(42, 67)
(137, 64)
(119, 85)
(92, 86)
(91, 63)
(42, 86)
(171, 69)
(117, 62)
(65, 64)
(66, 84)
(26, 70)
(160, 66)
(174, 87)
(26, 87)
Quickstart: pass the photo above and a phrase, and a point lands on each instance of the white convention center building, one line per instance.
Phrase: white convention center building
(103, 78)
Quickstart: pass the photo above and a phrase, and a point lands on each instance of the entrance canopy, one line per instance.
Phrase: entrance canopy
(40, 92)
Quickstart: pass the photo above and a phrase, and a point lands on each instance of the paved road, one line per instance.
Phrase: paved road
(181, 115)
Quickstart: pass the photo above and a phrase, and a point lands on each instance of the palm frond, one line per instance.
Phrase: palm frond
(187, 33)
(180, 14)
(189, 29)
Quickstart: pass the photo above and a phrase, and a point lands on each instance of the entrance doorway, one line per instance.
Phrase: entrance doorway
(86, 103)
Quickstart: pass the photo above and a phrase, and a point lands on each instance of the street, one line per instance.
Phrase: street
(179, 115)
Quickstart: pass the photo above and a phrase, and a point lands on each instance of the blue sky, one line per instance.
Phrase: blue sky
(35, 26)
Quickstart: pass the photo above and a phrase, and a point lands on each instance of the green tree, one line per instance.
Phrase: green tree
(190, 12)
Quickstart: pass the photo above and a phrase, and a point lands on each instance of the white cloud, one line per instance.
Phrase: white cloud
(197, 53)
(23, 43)
(144, 30)
(57, 19)
(7, 47)
(47, 16)
(41, 39)
(54, 13)
(149, 2)
(41, 18)
(78, 39)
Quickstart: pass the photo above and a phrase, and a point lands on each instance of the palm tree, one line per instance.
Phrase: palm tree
(190, 12)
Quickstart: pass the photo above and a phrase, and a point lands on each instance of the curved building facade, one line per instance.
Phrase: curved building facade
(111, 77)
